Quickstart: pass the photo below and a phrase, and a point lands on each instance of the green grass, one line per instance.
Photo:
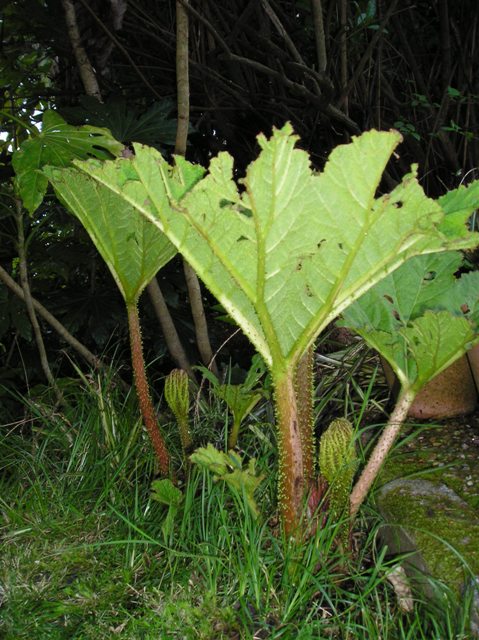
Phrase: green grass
(84, 555)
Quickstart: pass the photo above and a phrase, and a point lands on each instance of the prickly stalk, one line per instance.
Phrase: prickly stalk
(304, 388)
(291, 488)
(143, 390)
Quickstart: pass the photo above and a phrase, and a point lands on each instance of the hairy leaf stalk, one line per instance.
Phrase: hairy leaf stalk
(143, 390)
(304, 389)
(291, 487)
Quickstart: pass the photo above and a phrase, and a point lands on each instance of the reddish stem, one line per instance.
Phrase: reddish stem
(304, 391)
(143, 390)
(291, 472)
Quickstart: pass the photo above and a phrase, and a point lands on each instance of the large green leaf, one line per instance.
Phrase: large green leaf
(458, 205)
(290, 249)
(421, 317)
(133, 248)
(57, 144)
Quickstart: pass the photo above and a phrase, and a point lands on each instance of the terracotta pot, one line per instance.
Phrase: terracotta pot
(451, 393)
(473, 357)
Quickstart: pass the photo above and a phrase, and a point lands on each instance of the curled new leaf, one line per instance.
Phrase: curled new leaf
(338, 464)
(177, 396)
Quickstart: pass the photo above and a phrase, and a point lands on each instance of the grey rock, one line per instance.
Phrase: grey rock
(438, 531)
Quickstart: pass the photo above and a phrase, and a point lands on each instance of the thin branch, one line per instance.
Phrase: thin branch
(301, 91)
(343, 55)
(319, 36)
(85, 68)
(29, 302)
(168, 328)
(90, 357)
(282, 31)
(346, 88)
(445, 43)
(182, 79)
(199, 318)
(124, 51)
(187, 6)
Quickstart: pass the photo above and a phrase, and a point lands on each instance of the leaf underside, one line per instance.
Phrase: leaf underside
(421, 318)
(132, 247)
(289, 249)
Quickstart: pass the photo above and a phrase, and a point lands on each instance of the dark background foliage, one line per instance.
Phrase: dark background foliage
(253, 65)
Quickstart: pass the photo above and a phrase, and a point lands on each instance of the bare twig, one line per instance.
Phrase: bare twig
(343, 46)
(168, 328)
(300, 90)
(282, 31)
(182, 79)
(85, 68)
(346, 86)
(23, 266)
(319, 36)
(445, 43)
(124, 51)
(90, 357)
